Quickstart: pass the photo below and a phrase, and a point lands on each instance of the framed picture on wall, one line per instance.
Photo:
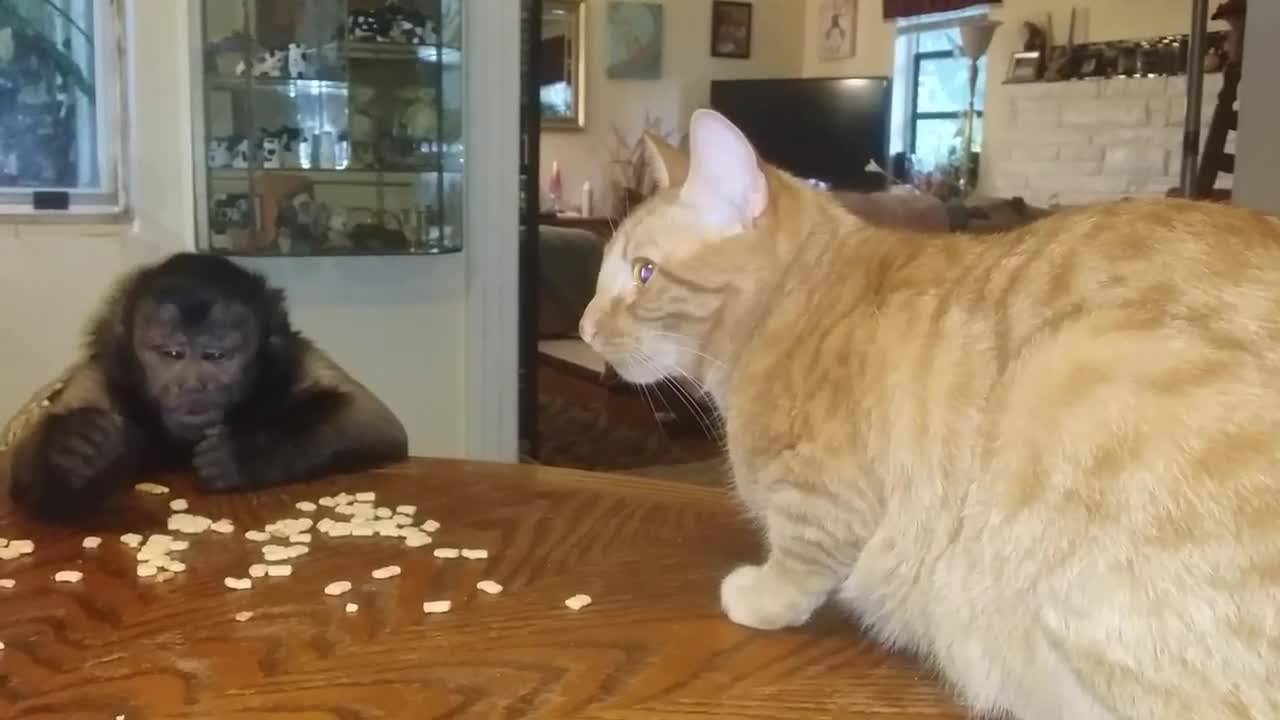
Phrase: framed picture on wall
(730, 29)
(837, 29)
(635, 41)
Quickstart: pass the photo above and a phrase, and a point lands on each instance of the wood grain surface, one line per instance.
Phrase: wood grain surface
(653, 644)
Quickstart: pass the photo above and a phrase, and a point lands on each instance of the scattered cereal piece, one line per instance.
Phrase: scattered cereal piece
(179, 545)
(406, 509)
(179, 505)
(430, 526)
(337, 588)
(324, 524)
(8, 583)
(279, 570)
(415, 541)
(435, 607)
(91, 543)
(300, 538)
(295, 551)
(447, 552)
(383, 573)
(306, 506)
(164, 575)
(133, 540)
(8, 554)
(244, 615)
(402, 520)
(238, 583)
(352, 607)
(1, 646)
(175, 566)
(362, 531)
(340, 529)
(383, 512)
(489, 586)
(344, 498)
(327, 502)
(367, 496)
(189, 524)
(22, 547)
(68, 576)
(257, 536)
(257, 570)
(475, 553)
(3, 542)
(146, 569)
(223, 526)
(577, 602)
(151, 488)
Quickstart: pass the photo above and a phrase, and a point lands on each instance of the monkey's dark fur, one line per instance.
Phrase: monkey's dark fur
(193, 364)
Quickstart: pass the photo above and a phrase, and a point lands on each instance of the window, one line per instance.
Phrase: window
(932, 101)
(59, 107)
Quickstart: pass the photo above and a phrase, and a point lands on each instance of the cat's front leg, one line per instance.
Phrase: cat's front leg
(806, 564)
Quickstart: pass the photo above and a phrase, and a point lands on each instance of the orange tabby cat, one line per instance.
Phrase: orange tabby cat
(1048, 460)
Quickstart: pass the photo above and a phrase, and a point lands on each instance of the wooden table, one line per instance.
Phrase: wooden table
(652, 645)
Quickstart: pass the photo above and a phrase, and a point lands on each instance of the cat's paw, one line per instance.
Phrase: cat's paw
(750, 596)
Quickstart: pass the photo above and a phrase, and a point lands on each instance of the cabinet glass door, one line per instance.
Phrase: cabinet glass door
(330, 127)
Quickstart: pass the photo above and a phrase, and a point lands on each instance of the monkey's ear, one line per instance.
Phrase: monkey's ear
(279, 330)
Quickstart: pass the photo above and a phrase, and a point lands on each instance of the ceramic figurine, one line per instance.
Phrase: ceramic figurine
(299, 65)
(219, 153)
(419, 118)
(240, 155)
(270, 63)
(269, 151)
(365, 25)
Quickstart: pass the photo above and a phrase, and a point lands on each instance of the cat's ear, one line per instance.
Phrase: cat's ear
(668, 166)
(726, 185)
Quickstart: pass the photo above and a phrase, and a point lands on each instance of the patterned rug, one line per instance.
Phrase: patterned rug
(573, 435)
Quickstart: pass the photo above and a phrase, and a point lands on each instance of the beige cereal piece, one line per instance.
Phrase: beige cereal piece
(3, 542)
(159, 539)
(338, 587)
(1, 646)
(300, 538)
(475, 553)
(244, 615)
(133, 540)
(417, 541)
(577, 602)
(9, 554)
(257, 536)
(298, 550)
(436, 607)
(175, 566)
(8, 583)
(344, 498)
(22, 547)
(223, 526)
(324, 524)
(388, 532)
(447, 552)
(362, 531)
(327, 502)
(279, 570)
(383, 573)
(340, 529)
(238, 583)
(150, 488)
(257, 570)
(68, 576)
(306, 506)
(406, 509)
(489, 586)
(367, 496)
(91, 543)
(352, 607)
(402, 520)
(146, 569)
(383, 512)
(179, 505)
(430, 526)
(179, 545)
(164, 576)
(149, 554)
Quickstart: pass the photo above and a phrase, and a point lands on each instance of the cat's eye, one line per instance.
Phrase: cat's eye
(642, 270)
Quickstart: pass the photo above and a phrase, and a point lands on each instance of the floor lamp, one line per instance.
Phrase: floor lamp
(975, 38)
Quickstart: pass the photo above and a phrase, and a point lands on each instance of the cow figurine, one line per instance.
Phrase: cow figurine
(240, 155)
(219, 153)
(270, 63)
(299, 63)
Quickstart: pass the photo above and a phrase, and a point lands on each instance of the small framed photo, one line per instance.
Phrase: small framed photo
(1024, 67)
(730, 29)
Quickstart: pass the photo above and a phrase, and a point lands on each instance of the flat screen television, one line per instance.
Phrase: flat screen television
(824, 129)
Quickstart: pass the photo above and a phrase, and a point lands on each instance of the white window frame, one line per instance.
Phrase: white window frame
(904, 66)
(108, 202)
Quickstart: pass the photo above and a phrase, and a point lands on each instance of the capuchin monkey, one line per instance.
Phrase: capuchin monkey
(193, 364)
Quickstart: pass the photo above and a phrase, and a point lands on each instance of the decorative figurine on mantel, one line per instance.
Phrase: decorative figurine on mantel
(392, 23)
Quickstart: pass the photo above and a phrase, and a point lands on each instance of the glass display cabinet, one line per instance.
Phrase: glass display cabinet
(329, 127)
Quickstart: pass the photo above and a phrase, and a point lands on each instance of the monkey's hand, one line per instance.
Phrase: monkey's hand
(217, 463)
(73, 461)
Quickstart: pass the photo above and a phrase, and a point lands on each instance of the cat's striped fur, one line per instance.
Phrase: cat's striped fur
(1048, 461)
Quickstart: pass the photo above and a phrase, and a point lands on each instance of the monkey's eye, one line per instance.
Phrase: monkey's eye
(642, 270)
(173, 354)
(214, 355)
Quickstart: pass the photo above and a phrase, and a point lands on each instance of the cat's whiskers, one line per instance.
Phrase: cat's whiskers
(705, 423)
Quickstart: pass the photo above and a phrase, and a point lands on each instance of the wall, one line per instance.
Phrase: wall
(1090, 140)
(688, 68)
(1257, 181)
(872, 51)
(424, 333)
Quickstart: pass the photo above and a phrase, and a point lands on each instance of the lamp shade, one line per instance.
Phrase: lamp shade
(975, 37)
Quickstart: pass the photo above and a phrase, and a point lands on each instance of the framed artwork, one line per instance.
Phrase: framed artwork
(730, 29)
(837, 29)
(1025, 66)
(635, 41)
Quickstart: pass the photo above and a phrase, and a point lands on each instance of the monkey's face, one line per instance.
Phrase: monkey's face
(197, 356)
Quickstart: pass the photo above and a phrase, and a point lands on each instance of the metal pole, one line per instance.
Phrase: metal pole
(1195, 96)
